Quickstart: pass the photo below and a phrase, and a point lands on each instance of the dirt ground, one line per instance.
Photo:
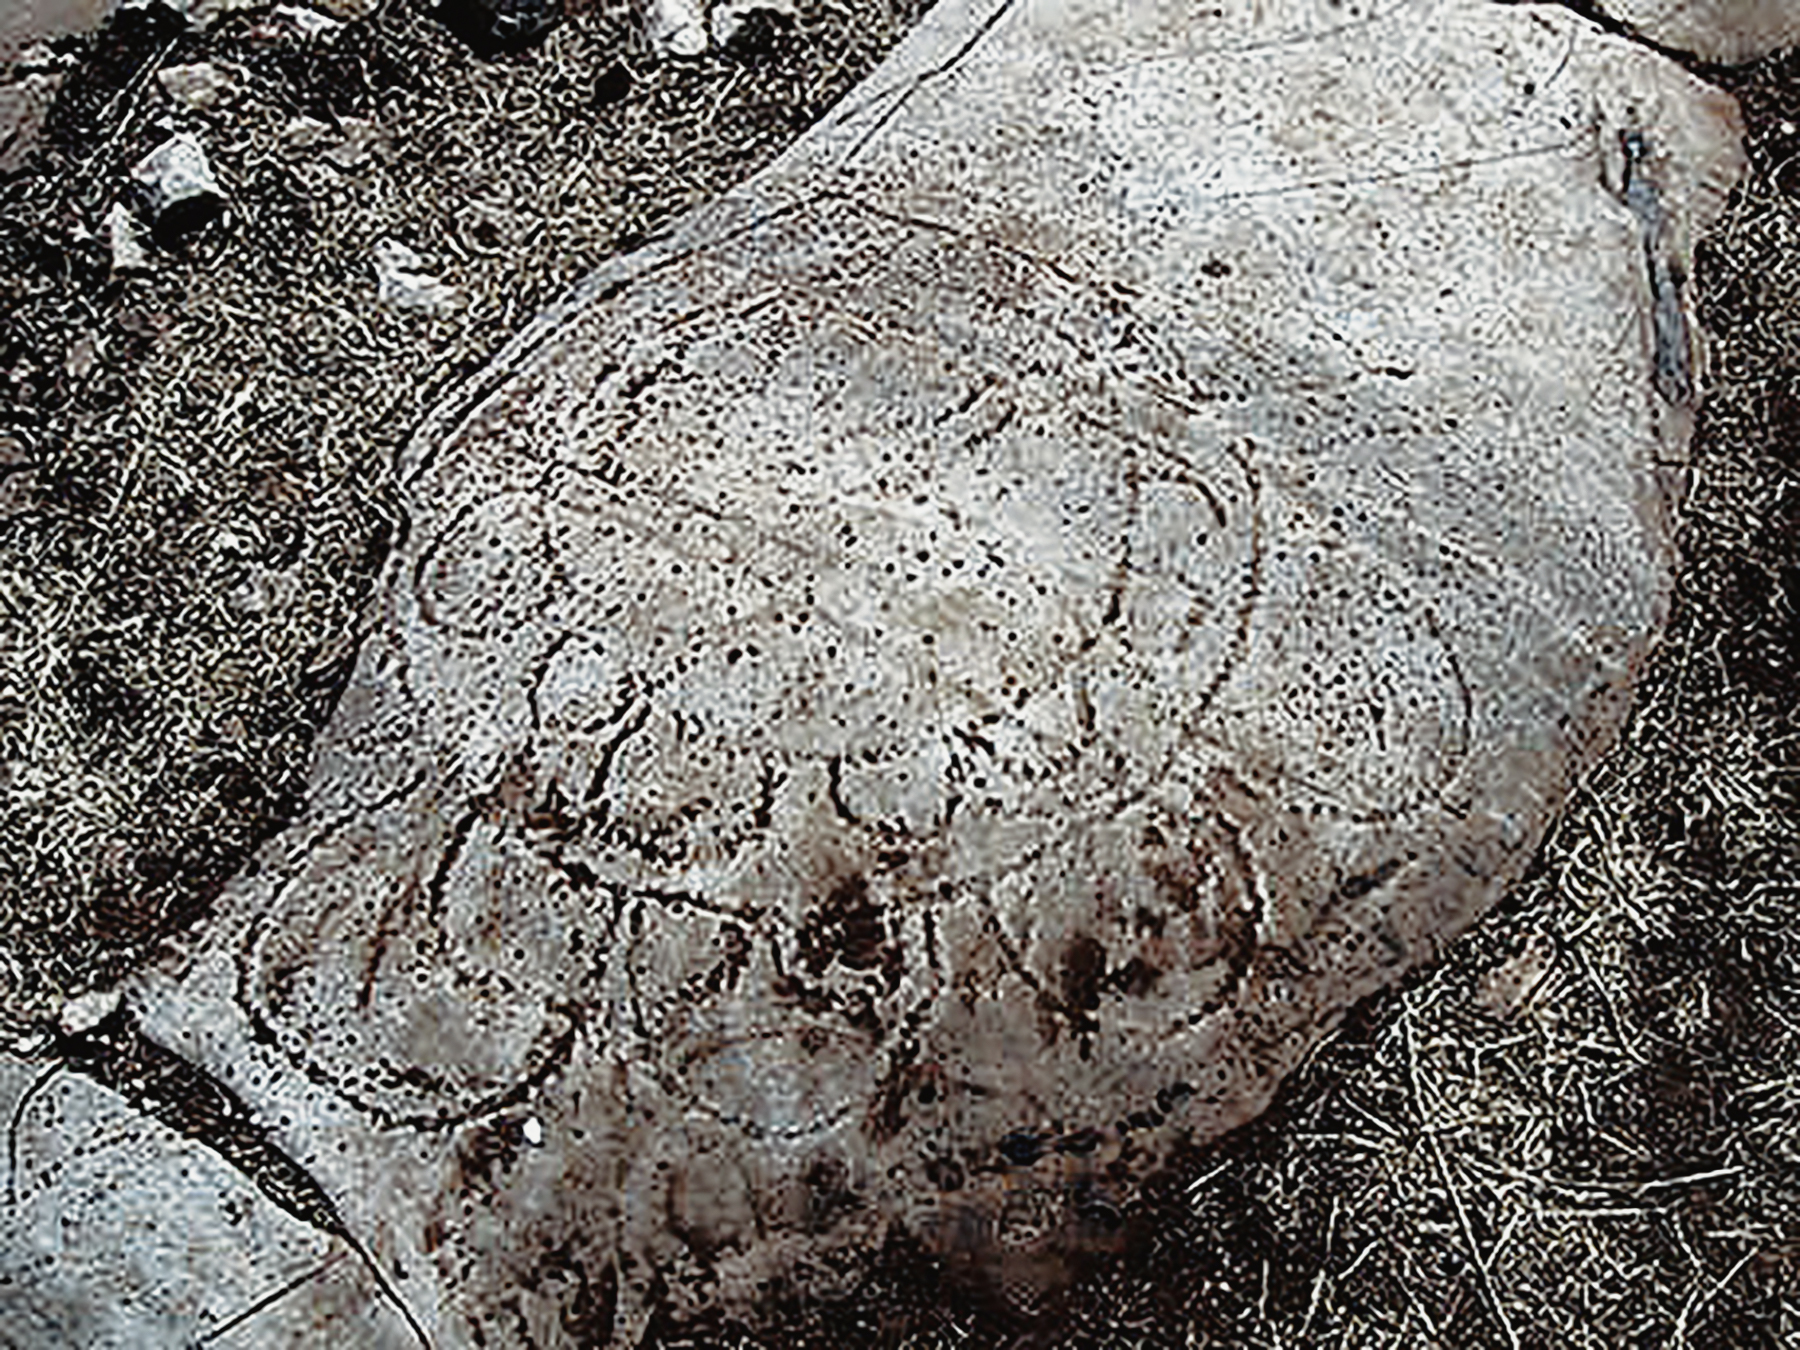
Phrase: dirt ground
(197, 460)
(1582, 1128)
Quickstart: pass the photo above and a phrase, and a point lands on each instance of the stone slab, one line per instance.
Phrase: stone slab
(1727, 31)
(921, 694)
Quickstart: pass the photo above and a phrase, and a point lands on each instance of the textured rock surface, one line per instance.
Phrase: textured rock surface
(1717, 30)
(21, 24)
(914, 696)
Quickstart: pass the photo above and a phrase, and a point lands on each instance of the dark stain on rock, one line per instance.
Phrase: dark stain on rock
(944, 1173)
(588, 1312)
(1083, 973)
(1136, 978)
(1023, 1148)
(1173, 1098)
(1365, 882)
(807, 997)
(486, 1151)
(1671, 346)
(848, 929)
(1097, 1208)
(904, 1083)
(553, 819)
(829, 1195)
(735, 958)
(1080, 1143)
(1179, 880)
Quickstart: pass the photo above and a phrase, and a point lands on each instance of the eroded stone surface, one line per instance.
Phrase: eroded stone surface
(932, 686)
(1718, 30)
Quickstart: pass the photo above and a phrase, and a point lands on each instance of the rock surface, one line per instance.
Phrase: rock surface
(1729, 31)
(729, 20)
(22, 24)
(25, 100)
(676, 27)
(930, 688)
(179, 189)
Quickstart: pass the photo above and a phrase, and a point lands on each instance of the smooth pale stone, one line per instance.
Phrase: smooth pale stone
(25, 102)
(119, 1235)
(932, 686)
(401, 281)
(1730, 31)
(180, 190)
(200, 84)
(675, 27)
(23, 22)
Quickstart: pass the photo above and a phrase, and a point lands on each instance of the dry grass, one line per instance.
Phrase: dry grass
(197, 491)
(1582, 1129)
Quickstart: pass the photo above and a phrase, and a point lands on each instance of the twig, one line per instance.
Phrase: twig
(1697, 1301)
(79, 179)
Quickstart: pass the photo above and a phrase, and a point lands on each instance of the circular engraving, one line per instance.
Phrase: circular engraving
(888, 745)
(857, 598)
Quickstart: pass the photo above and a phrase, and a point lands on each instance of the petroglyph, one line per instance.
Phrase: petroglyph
(913, 697)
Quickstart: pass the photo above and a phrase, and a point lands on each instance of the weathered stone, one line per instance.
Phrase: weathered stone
(1719, 30)
(730, 19)
(24, 103)
(205, 13)
(933, 685)
(23, 23)
(130, 248)
(401, 281)
(301, 21)
(301, 133)
(199, 84)
(347, 9)
(675, 27)
(181, 194)
(87, 1011)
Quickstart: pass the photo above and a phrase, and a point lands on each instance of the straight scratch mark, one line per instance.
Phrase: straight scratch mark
(270, 1300)
(1394, 175)
(925, 77)
(388, 1291)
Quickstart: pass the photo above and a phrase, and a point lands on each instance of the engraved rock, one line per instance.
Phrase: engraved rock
(932, 686)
